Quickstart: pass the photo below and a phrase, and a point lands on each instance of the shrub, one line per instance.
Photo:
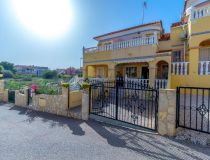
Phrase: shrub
(66, 85)
(50, 75)
(85, 86)
(1, 69)
(7, 74)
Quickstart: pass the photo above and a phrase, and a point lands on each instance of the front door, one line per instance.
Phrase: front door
(145, 73)
(165, 71)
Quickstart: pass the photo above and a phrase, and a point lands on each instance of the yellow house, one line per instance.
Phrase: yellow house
(146, 53)
(190, 40)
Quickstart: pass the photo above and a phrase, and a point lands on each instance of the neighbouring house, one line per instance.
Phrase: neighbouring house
(145, 52)
(30, 70)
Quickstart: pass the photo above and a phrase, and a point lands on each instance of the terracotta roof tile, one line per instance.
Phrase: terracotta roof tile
(165, 37)
(178, 24)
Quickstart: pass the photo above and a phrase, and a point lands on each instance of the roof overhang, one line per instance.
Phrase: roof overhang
(157, 26)
(140, 60)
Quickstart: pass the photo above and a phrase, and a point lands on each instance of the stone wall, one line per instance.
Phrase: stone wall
(167, 112)
(55, 104)
(75, 99)
(4, 96)
(21, 99)
(1, 85)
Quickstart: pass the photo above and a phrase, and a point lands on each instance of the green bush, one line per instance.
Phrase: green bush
(52, 90)
(1, 69)
(50, 75)
(66, 85)
(85, 86)
(7, 74)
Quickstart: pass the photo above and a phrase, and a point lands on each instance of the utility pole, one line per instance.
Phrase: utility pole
(144, 7)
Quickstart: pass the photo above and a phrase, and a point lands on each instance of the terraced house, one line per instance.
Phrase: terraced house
(146, 53)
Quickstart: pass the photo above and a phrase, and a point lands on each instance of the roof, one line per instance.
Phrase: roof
(178, 24)
(165, 37)
(131, 28)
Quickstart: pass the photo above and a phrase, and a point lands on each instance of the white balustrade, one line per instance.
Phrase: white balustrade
(143, 82)
(200, 12)
(124, 44)
(180, 68)
(161, 83)
(204, 68)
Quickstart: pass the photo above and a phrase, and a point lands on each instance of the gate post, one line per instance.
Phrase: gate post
(85, 104)
(167, 112)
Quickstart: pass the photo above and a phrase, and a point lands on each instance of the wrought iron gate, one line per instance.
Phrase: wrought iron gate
(193, 108)
(11, 96)
(128, 102)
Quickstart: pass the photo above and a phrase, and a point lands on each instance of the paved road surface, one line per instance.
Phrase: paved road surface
(29, 135)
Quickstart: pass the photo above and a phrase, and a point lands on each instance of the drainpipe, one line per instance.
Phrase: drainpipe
(184, 44)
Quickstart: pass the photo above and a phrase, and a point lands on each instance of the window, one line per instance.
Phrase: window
(131, 72)
(177, 56)
(204, 54)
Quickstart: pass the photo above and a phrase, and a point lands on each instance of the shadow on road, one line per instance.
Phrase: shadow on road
(148, 145)
(53, 120)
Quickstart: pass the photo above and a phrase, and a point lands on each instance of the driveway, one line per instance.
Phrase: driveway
(30, 135)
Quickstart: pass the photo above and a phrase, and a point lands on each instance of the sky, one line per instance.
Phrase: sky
(19, 45)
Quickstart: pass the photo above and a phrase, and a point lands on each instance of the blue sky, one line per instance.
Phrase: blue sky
(91, 18)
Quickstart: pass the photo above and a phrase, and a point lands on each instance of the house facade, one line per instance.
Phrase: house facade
(30, 70)
(146, 53)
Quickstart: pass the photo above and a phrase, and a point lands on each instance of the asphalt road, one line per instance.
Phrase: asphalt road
(30, 135)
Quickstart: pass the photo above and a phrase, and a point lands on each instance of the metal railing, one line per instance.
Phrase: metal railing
(124, 102)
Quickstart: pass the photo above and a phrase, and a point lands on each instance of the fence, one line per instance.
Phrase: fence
(131, 103)
(193, 108)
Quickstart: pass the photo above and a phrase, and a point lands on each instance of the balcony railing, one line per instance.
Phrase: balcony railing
(199, 13)
(161, 83)
(204, 68)
(124, 44)
(180, 68)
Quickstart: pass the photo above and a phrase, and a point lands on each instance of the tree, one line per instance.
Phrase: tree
(50, 74)
(8, 66)
(7, 74)
(1, 69)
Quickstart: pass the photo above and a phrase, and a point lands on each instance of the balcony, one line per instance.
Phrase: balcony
(204, 68)
(180, 68)
(161, 83)
(123, 44)
(200, 12)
